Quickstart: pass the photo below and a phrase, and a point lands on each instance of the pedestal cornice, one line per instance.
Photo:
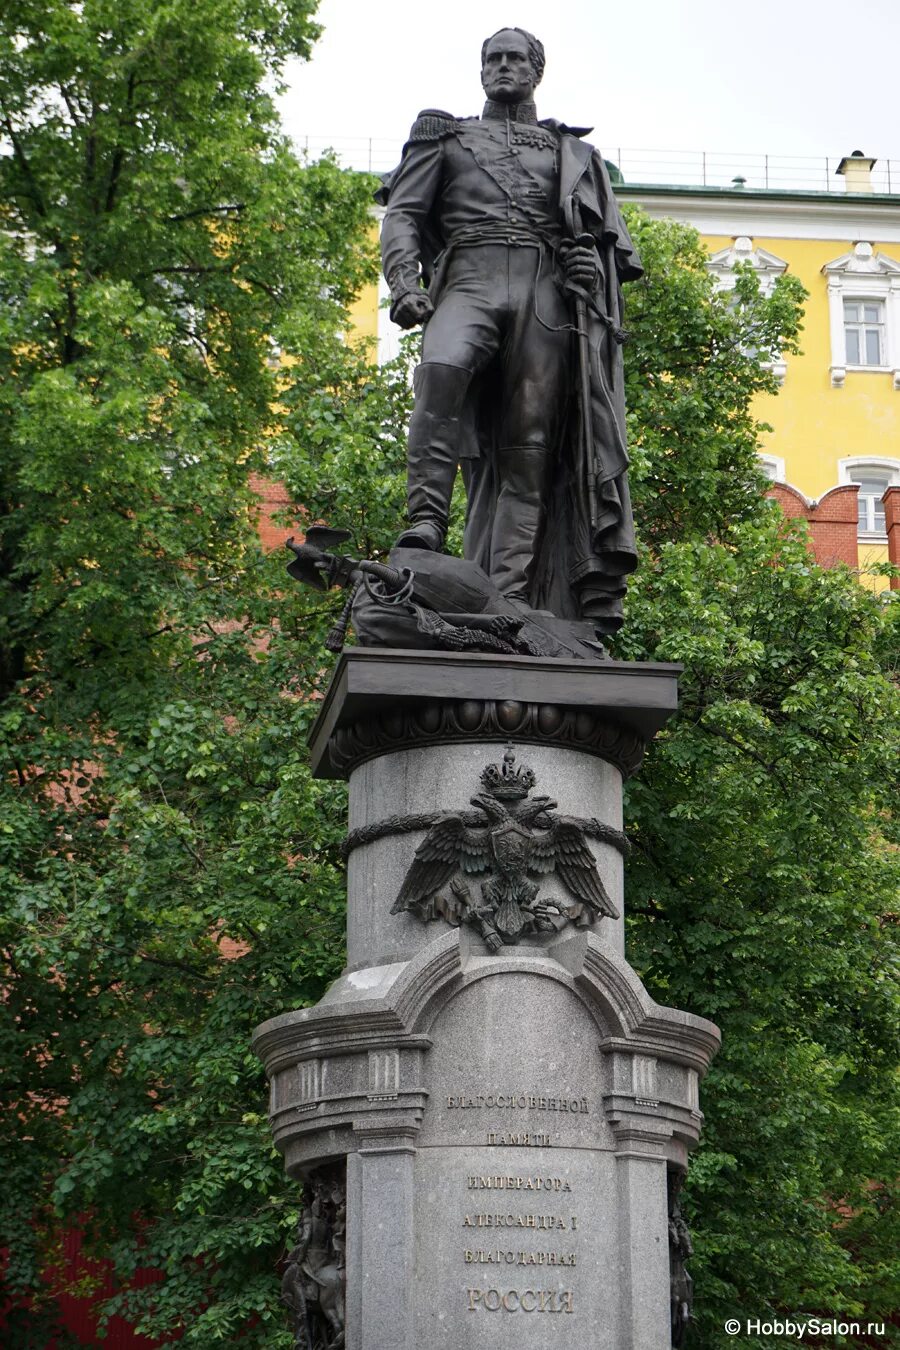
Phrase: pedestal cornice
(381, 700)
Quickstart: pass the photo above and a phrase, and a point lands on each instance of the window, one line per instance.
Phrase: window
(874, 477)
(872, 487)
(864, 332)
(773, 467)
(864, 309)
(768, 268)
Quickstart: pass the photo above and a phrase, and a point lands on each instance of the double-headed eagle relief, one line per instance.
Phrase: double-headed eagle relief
(510, 837)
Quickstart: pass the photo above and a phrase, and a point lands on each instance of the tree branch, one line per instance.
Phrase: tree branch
(23, 163)
(206, 211)
(178, 965)
(271, 291)
(191, 269)
(119, 154)
(769, 766)
(76, 117)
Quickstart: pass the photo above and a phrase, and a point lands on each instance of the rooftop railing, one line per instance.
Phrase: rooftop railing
(657, 168)
(723, 169)
(372, 154)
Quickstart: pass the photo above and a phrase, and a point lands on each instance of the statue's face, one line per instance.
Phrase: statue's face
(507, 75)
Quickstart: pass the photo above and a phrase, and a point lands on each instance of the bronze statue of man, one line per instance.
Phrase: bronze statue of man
(503, 238)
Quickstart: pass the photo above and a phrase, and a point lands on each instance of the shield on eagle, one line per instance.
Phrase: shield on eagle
(512, 845)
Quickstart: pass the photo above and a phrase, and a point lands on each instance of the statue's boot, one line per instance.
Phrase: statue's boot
(433, 455)
(524, 473)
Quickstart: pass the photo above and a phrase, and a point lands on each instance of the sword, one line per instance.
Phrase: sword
(581, 239)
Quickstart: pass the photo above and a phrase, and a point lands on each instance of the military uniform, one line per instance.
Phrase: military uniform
(476, 204)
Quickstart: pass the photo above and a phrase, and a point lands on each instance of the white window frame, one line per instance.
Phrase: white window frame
(861, 276)
(858, 463)
(767, 266)
(776, 464)
(862, 327)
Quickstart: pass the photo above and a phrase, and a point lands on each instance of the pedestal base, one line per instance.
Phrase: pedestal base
(509, 1123)
(514, 1123)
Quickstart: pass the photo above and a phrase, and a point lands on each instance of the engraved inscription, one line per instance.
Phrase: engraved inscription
(515, 1221)
(526, 1300)
(521, 1138)
(522, 1101)
(520, 1300)
(477, 1183)
(496, 1258)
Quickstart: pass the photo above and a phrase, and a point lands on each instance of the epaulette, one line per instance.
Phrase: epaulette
(432, 124)
(553, 124)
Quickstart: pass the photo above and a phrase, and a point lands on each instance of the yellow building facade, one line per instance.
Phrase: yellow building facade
(836, 418)
(835, 442)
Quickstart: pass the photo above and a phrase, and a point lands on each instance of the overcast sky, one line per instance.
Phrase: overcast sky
(776, 76)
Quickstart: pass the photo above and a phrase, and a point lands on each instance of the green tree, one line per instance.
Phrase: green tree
(763, 885)
(169, 874)
(172, 875)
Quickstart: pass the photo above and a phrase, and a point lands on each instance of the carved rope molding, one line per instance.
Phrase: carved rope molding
(381, 829)
(487, 719)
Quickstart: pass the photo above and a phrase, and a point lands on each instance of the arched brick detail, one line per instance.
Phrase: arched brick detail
(833, 521)
(891, 501)
(791, 500)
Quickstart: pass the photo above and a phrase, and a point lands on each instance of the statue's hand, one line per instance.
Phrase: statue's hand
(412, 308)
(580, 264)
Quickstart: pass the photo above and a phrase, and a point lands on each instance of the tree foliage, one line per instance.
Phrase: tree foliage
(762, 891)
(171, 874)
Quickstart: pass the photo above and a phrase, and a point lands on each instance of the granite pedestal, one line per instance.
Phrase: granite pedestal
(514, 1118)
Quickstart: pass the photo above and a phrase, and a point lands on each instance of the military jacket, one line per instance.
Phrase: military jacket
(473, 180)
(459, 183)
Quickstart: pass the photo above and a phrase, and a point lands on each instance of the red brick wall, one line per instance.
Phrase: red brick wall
(77, 1315)
(891, 501)
(273, 501)
(833, 521)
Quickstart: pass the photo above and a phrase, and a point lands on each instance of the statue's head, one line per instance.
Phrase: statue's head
(512, 63)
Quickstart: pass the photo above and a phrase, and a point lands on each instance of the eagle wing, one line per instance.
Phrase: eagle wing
(576, 866)
(448, 847)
